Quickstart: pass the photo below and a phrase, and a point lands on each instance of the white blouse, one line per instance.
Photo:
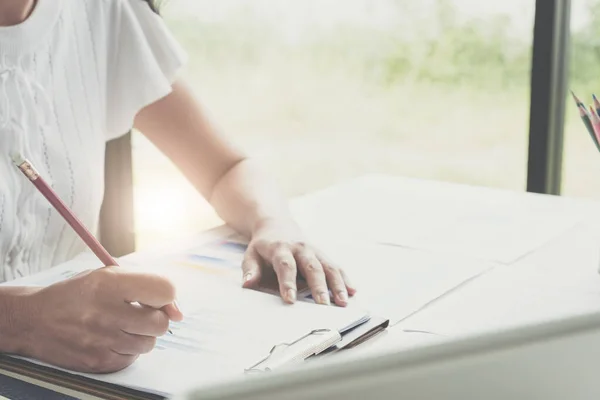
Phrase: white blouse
(72, 76)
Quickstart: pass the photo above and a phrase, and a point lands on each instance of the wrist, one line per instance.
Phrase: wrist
(286, 223)
(17, 319)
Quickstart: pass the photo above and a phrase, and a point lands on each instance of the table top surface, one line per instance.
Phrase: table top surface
(545, 249)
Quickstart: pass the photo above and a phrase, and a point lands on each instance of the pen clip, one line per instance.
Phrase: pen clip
(284, 354)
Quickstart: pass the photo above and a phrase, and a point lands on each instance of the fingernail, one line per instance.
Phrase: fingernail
(324, 299)
(291, 295)
(247, 277)
(343, 296)
(176, 305)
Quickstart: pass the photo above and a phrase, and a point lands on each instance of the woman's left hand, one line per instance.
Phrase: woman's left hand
(281, 246)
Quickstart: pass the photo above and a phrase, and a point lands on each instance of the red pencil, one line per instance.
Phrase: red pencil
(595, 120)
(596, 104)
(31, 173)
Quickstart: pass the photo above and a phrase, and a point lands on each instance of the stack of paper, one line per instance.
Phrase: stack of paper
(226, 329)
(392, 282)
(490, 224)
(397, 282)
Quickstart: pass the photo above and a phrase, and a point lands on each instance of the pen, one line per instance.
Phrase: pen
(32, 174)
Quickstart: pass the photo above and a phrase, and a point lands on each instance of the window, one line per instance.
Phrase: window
(324, 90)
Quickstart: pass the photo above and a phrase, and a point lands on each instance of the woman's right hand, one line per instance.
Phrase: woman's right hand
(89, 324)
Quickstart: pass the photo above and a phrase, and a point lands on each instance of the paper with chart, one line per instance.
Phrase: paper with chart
(224, 332)
(393, 282)
(218, 254)
(226, 329)
(489, 224)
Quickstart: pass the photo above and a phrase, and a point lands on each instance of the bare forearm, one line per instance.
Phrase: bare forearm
(246, 198)
(242, 195)
(16, 316)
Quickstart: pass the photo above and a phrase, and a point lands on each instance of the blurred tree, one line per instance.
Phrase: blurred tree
(585, 50)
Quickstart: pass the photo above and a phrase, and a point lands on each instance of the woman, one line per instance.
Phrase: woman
(74, 74)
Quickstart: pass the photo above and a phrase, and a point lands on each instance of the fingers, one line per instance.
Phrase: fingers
(336, 284)
(140, 320)
(281, 258)
(312, 270)
(173, 311)
(95, 361)
(131, 345)
(334, 270)
(284, 265)
(349, 286)
(251, 270)
(287, 259)
(148, 289)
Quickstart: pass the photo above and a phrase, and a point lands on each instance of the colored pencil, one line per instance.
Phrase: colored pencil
(32, 174)
(596, 104)
(586, 120)
(589, 126)
(577, 101)
(595, 120)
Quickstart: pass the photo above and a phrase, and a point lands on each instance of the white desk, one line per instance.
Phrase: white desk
(558, 278)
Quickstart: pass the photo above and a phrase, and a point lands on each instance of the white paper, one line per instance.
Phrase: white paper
(395, 282)
(226, 329)
(494, 225)
(511, 297)
(394, 340)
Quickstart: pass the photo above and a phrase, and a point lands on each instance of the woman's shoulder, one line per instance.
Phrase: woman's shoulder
(110, 14)
(106, 20)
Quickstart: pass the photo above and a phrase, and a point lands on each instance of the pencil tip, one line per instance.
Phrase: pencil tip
(594, 97)
(17, 158)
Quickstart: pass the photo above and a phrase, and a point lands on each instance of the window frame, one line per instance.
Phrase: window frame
(549, 77)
